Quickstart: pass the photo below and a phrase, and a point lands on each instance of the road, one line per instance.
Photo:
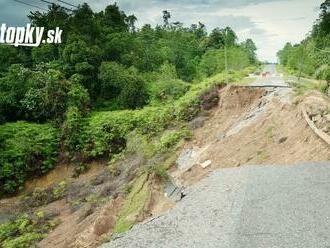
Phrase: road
(245, 207)
(274, 79)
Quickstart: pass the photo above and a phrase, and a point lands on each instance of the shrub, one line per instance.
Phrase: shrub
(72, 130)
(26, 230)
(107, 131)
(122, 83)
(78, 96)
(26, 150)
(167, 89)
(171, 138)
(59, 190)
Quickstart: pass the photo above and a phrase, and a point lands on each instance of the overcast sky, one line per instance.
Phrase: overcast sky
(270, 23)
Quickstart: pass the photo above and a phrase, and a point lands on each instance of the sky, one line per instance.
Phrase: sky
(270, 23)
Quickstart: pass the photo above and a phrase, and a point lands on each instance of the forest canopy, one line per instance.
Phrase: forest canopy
(311, 57)
(82, 97)
(108, 62)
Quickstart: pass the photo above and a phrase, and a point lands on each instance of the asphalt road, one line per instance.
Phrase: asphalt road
(245, 207)
(273, 79)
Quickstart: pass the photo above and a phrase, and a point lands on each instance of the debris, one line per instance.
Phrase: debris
(221, 137)
(282, 140)
(197, 122)
(186, 159)
(205, 164)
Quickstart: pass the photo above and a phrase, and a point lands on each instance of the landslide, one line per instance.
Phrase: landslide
(250, 126)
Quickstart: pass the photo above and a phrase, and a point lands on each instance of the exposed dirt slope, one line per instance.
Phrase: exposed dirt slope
(252, 126)
(248, 126)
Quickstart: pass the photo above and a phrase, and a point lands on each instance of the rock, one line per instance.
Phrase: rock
(237, 164)
(186, 159)
(87, 210)
(205, 164)
(220, 137)
(173, 192)
(325, 129)
(197, 122)
(327, 118)
(317, 118)
(282, 140)
(103, 224)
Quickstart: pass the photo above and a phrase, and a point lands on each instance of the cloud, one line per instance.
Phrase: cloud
(257, 31)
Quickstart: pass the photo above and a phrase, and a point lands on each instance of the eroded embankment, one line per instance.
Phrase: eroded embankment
(238, 126)
(250, 126)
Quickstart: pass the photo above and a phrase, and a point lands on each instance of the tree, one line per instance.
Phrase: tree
(130, 20)
(166, 18)
(9, 56)
(230, 36)
(13, 87)
(115, 20)
(219, 37)
(284, 54)
(122, 83)
(44, 53)
(251, 49)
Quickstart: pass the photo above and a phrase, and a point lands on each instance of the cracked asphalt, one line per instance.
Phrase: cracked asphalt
(245, 207)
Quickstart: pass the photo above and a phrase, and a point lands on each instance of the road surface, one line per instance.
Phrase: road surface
(273, 79)
(245, 207)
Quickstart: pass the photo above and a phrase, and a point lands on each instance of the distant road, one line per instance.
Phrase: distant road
(245, 207)
(273, 79)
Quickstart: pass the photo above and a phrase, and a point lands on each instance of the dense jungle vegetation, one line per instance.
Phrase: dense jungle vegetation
(108, 77)
(311, 57)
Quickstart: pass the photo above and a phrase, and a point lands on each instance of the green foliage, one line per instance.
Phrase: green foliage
(305, 85)
(134, 203)
(167, 90)
(26, 230)
(26, 150)
(103, 61)
(44, 53)
(47, 98)
(126, 82)
(165, 85)
(310, 57)
(13, 87)
(9, 55)
(72, 129)
(213, 61)
(251, 49)
(169, 139)
(59, 190)
(106, 132)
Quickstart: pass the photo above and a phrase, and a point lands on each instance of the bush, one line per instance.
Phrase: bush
(72, 130)
(164, 90)
(78, 96)
(322, 72)
(122, 83)
(213, 61)
(26, 230)
(107, 131)
(26, 150)
(170, 139)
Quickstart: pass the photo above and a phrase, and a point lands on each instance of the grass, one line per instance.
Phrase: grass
(134, 204)
(305, 85)
(26, 230)
(245, 81)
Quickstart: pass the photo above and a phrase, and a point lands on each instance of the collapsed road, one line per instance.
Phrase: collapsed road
(248, 206)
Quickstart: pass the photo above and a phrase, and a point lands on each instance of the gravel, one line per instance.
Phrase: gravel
(246, 207)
